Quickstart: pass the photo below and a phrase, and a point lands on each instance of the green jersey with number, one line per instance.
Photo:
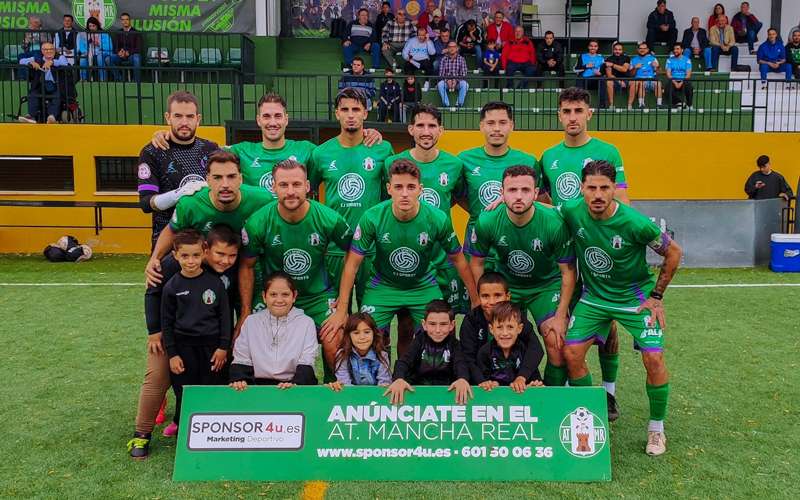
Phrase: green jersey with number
(404, 250)
(562, 167)
(353, 177)
(612, 254)
(257, 162)
(198, 212)
(296, 248)
(527, 256)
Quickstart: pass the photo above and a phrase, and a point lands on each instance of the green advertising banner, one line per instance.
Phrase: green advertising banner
(312, 433)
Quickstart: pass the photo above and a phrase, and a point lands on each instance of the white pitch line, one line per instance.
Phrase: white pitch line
(719, 285)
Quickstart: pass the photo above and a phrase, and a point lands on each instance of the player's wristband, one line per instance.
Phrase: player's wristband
(656, 295)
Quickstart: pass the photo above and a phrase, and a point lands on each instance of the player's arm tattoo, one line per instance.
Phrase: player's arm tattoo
(671, 252)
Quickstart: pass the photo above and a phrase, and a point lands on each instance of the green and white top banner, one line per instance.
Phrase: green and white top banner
(211, 16)
(312, 433)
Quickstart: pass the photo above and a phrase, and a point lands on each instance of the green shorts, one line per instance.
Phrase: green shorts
(334, 263)
(592, 319)
(452, 288)
(382, 302)
(541, 302)
(318, 307)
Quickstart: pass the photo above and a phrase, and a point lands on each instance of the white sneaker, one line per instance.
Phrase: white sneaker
(51, 119)
(26, 119)
(426, 86)
(656, 443)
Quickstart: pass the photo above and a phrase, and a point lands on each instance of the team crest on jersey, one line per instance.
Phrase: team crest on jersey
(536, 245)
(226, 282)
(369, 163)
(616, 242)
(332, 166)
(443, 179)
(423, 238)
(502, 241)
(277, 240)
(313, 239)
(245, 237)
(144, 171)
(554, 165)
(209, 297)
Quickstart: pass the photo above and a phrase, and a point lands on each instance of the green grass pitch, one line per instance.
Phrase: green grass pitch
(75, 358)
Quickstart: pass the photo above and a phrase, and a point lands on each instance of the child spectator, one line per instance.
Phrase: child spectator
(491, 64)
(412, 94)
(390, 99)
(362, 358)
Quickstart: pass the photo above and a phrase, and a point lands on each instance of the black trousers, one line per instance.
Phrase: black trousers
(685, 94)
(656, 35)
(197, 371)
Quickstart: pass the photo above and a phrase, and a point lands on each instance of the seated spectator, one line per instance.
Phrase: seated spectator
(412, 94)
(501, 31)
(453, 71)
(32, 42)
(591, 69)
(794, 30)
(383, 17)
(766, 183)
(793, 54)
(746, 26)
(772, 58)
(719, 10)
(470, 39)
(440, 44)
(93, 46)
(465, 11)
(66, 38)
(679, 71)
(391, 95)
(395, 35)
(617, 68)
(360, 80)
(695, 40)
(418, 54)
(661, 26)
(44, 93)
(550, 56)
(127, 48)
(359, 36)
(491, 64)
(722, 42)
(519, 55)
(644, 67)
(437, 24)
(426, 17)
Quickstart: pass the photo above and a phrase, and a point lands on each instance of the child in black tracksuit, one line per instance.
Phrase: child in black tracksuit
(412, 94)
(434, 357)
(195, 319)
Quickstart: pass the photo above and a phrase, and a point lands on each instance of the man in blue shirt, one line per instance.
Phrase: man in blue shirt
(772, 58)
(679, 71)
(644, 67)
(590, 69)
(44, 96)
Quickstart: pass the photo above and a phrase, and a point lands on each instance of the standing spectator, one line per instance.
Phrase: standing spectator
(470, 38)
(644, 67)
(127, 48)
(440, 43)
(617, 68)
(465, 11)
(591, 70)
(359, 36)
(383, 18)
(772, 58)
(453, 71)
(793, 54)
(719, 10)
(501, 31)
(746, 26)
(491, 65)
(395, 35)
(695, 39)
(679, 71)
(661, 25)
(391, 94)
(437, 24)
(44, 94)
(93, 46)
(360, 80)
(418, 54)
(66, 38)
(425, 19)
(412, 94)
(519, 55)
(766, 183)
(550, 56)
(722, 42)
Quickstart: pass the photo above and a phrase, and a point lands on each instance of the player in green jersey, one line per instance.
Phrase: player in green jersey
(536, 257)
(442, 178)
(404, 233)
(611, 239)
(224, 201)
(484, 165)
(351, 172)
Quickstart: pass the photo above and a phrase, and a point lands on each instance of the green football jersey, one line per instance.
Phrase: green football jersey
(612, 254)
(527, 256)
(257, 162)
(197, 211)
(404, 250)
(296, 248)
(562, 168)
(353, 177)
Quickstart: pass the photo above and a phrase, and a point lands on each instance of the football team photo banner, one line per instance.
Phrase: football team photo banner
(312, 433)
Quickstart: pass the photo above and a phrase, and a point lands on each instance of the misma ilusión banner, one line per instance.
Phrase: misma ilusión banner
(312, 433)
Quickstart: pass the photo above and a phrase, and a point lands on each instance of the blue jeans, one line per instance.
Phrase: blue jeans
(475, 50)
(352, 50)
(527, 69)
(134, 60)
(752, 34)
(50, 99)
(462, 92)
(707, 58)
(717, 51)
(784, 68)
(99, 61)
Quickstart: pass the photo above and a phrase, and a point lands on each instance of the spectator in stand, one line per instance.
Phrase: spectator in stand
(661, 26)
(359, 36)
(719, 10)
(43, 94)
(437, 24)
(644, 68)
(418, 54)
(772, 58)
(679, 71)
(766, 183)
(360, 80)
(722, 42)
(550, 56)
(93, 46)
(746, 27)
(470, 38)
(440, 44)
(395, 35)
(501, 31)
(793, 54)
(465, 11)
(695, 40)
(32, 42)
(794, 30)
(66, 38)
(391, 95)
(453, 71)
(491, 65)
(519, 55)
(426, 17)
(591, 70)
(412, 94)
(127, 48)
(617, 68)
(383, 17)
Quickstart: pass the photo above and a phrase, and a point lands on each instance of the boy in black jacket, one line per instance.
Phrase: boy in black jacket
(434, 358)
(502, 360)
(390, 98)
